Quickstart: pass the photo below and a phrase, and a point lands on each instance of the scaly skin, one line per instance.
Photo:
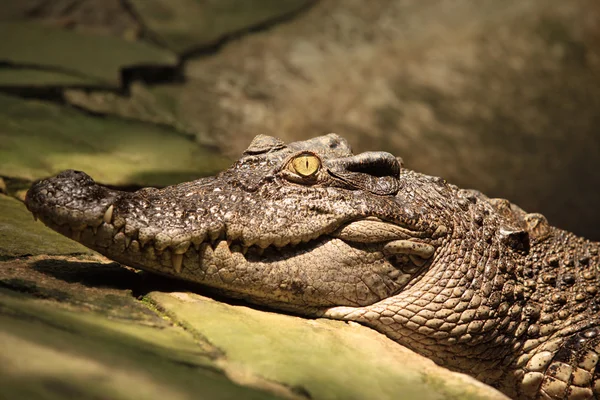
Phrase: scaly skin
(476, 284)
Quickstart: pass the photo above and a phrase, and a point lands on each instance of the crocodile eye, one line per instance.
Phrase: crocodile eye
(305, 165)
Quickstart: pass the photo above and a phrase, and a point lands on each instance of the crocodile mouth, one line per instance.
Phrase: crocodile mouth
(141, 248)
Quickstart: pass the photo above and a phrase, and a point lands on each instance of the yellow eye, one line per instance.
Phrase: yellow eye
(305, 165)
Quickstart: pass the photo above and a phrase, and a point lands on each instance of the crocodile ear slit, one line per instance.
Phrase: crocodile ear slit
(516, 239)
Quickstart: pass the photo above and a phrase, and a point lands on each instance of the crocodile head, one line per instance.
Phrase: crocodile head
(304, 226)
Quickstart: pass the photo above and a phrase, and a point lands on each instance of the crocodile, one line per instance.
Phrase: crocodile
(474, 283)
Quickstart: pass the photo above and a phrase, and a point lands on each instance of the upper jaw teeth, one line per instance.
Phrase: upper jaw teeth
(181, 248)
(368, 231)
(107, 218)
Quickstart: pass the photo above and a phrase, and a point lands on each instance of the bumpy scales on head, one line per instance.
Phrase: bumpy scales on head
(476, 284)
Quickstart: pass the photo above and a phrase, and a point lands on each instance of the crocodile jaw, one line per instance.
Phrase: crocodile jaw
(300, 273)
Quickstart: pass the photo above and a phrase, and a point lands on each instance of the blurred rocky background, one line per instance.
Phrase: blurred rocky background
(503, 97)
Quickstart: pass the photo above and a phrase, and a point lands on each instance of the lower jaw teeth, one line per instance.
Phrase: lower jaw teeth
(176, 262)
(108, 214)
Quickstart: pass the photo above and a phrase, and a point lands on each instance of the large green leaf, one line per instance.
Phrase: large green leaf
(80, 55)
(38, 139)
(188, 24)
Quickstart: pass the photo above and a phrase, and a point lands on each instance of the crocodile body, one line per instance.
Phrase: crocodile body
(476, 284)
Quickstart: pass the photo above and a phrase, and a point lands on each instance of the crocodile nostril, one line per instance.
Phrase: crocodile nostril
(71, 173)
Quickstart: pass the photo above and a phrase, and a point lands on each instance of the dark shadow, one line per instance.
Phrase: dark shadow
(114, 276)
(155, 282)
(89, 273)
(151, 75)
(32, 288)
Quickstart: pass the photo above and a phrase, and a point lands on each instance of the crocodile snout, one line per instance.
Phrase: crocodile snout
(70, 199)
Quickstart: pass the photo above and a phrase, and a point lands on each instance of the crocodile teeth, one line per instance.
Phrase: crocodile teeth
(108, 214)
(162, 241)
(214, 234)
(222, 250)
(197, 239)
(282, 241)
(176, 262)
(127, 240)
(263, 243)
(143, 241)
(95, 223)
(181, 248)
(134, 247)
